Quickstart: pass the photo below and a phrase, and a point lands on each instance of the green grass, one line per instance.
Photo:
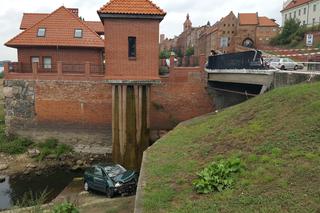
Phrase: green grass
(52, 147)
(18, 145)
(276, 136)
(11, 145)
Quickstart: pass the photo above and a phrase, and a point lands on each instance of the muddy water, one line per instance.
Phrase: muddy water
(13, 189)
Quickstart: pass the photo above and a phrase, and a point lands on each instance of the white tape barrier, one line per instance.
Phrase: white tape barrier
(287, 50)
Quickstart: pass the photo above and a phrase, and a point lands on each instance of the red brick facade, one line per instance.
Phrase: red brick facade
(67, 55)
(59, 36)
(181, 96)
(86, 104)
(119, 65)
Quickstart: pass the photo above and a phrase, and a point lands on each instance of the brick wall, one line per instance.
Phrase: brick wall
(180, 96)
(68, 55)
(244, 32)
(265, 34)
(88, 104)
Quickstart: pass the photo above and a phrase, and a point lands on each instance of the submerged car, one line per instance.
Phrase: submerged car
(110, 179)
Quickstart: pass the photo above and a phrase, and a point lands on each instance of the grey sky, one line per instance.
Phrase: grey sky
(200, 12)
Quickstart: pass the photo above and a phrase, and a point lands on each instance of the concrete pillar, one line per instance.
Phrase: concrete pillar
(130, 124)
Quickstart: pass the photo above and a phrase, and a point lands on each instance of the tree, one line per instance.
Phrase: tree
(179, 53)
(190, 51)
(291, 31)
(164, 54)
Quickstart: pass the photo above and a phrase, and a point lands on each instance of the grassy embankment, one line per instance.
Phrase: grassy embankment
(277, 138)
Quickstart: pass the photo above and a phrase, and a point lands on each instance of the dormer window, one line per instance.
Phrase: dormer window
(78, 33)
(41, 32)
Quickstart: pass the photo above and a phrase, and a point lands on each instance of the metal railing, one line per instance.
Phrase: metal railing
(97, 69)
(18, 67)
(188, 61)
(46, 68)
(301, 67)
(73, 68)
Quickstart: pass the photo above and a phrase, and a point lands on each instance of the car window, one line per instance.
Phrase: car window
(275, 60)
(114, 171)
(97, 171)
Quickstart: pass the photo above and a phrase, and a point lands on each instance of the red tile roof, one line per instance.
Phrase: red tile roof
(295, 3)
(266, 22)
(248, 19)
(29, 19)
(60, 26)
(97, 26)
(137, 7)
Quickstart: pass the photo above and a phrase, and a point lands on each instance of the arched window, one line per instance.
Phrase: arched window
(248, 43)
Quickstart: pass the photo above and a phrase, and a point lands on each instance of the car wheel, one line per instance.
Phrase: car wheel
(110, 192)
(295, 67)
(283, 67)
(86, 186)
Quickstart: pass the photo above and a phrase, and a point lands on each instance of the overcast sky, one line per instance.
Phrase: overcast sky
(200, 12)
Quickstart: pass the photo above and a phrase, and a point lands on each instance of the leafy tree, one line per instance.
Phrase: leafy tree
(179, 53)
(164, 54)
(291, 32)
(190, 51)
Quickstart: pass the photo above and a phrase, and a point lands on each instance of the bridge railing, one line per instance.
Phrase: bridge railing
(302, 67)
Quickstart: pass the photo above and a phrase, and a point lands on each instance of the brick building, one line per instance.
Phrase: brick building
(189, 37)
(168, 44)
(254, 31)
(229, 34)
(59, 36)
(219, 36)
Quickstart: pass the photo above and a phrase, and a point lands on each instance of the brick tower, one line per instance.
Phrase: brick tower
(132, 66)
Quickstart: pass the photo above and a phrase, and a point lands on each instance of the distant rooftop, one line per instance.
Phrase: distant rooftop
(295, 3)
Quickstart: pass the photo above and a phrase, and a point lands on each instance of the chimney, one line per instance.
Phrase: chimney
(74, 11)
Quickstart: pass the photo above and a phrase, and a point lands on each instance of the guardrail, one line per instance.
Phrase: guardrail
(19, 67)
(302, 67)
(59, 71)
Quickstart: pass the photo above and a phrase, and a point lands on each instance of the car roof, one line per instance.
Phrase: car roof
(104, 165)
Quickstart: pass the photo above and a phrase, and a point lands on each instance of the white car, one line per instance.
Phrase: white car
(284, 64)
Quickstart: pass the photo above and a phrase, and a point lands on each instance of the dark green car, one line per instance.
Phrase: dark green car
(110, 179)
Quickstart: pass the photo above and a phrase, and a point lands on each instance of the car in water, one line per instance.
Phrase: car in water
(285, 64)
(110, 179)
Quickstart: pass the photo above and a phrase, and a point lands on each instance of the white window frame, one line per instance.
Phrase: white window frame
(47, 65)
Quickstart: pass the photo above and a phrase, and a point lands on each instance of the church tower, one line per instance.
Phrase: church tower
(187, 24)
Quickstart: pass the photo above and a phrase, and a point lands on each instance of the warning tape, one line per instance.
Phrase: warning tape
(295, 55)
(287, 50)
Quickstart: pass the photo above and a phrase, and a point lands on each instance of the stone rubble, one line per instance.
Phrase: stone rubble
(4, 166)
